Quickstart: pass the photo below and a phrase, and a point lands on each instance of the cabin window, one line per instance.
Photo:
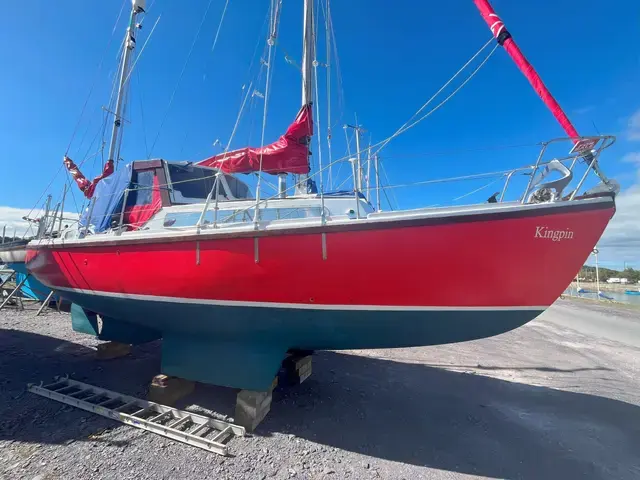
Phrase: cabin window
(190, 184)
(143, 189)
(187, 219)
(270, 214)
(238, 189)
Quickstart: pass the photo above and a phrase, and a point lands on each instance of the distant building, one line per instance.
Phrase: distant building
(617, 280)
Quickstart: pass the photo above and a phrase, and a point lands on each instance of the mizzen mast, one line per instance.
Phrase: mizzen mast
(137, 7)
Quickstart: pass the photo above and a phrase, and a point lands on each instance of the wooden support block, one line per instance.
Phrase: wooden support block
(110, 350)
(296, 369)
(252, 406)
(168, 390)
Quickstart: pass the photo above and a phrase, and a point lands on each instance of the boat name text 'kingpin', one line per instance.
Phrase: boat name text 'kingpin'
(554, 235)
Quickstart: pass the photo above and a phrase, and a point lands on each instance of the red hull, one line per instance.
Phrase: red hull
(487, 260)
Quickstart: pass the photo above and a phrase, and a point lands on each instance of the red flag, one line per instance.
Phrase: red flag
(85, 185)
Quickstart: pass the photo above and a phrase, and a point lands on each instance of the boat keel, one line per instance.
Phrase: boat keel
(250, 366)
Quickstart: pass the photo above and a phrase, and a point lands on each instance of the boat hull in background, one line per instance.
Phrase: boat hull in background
(31, 288)
(229, 306)
(14, 257)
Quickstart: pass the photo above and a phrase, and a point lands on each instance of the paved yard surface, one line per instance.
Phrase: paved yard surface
(558, 398)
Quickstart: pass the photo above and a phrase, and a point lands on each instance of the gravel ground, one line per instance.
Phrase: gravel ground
(543, 401)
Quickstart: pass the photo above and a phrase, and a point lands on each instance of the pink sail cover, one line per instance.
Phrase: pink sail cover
(87, 187)
(289, 154)
(497, 28)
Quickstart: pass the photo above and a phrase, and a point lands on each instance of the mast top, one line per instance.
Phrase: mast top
(308, 53)
(139, 5)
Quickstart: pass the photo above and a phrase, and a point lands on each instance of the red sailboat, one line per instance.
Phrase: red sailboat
(231, 282)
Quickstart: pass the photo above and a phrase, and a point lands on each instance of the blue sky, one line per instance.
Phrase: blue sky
(392, 57)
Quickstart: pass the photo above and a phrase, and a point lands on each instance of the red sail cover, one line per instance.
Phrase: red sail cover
(85, 185)
(289, 154)
(497, 27)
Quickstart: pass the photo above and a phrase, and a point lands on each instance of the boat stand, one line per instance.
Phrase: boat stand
(252, 407)
(111, 350)
(46, 303)
(9, 277)
(168, 390)
(16, 294)
(14, 291)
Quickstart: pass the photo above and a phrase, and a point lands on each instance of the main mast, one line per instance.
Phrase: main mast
(137, 7)
(307, 53)
(308, 46)
(88, 187)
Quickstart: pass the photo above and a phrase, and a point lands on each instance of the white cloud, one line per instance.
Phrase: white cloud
(584, 110)
(621, 241)
(12, 218)
(632, 157)
(633, 126)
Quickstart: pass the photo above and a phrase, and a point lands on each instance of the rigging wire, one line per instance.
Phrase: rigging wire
(73, 195)
(146, 12)
(474, 176)
(84, 135)
(269, 76)
(343, 182)
(253, 80)
(235, 126)
(339, 81)
(123, 116)
(437, 107)
(257, 79)
(84, 106)
(95, 78)
(327, 22)
(344, 159)
(348, 157)
(464, 150)
(184, 67)
(502, 173)
(269, 72)
(112, 97)
(144, 45)
(273, 32)
(314, 26)
(258, 43)
(143, 124)
(478, 189)
(384, 172)
(215, 39)
(407, 125)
